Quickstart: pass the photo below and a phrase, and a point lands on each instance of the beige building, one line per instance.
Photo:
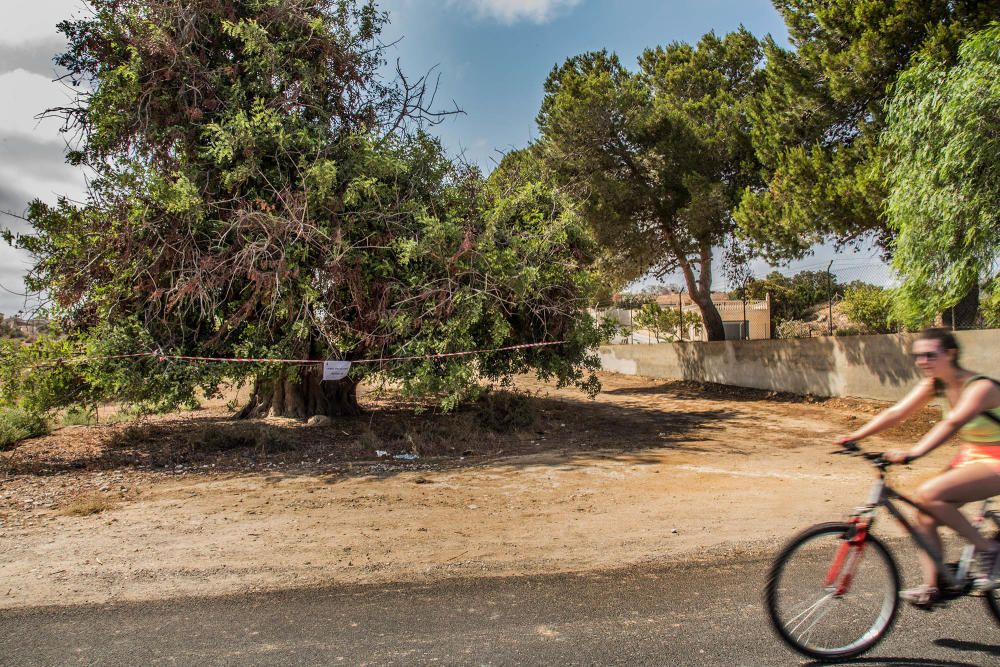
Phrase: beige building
(26, 328)
(750, 319)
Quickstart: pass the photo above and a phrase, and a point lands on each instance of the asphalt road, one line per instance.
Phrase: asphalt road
(660, 615)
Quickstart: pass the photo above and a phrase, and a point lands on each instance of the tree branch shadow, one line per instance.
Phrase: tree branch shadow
(561, 431)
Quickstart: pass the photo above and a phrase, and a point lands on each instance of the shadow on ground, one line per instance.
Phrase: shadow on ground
(687, 389)
(566, 429)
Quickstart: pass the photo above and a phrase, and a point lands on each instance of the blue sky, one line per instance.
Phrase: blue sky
(492, 57)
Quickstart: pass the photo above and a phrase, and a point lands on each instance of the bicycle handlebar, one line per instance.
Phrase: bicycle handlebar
(851, 448)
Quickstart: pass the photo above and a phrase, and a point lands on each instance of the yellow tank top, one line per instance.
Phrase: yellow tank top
(981, 428)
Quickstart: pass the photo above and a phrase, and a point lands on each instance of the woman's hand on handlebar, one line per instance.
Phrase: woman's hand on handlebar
(847, 442)
(897, 456)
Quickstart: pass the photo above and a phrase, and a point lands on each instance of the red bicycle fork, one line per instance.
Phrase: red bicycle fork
(846, 559)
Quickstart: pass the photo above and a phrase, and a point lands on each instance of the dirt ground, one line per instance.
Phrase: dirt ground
(649, 471)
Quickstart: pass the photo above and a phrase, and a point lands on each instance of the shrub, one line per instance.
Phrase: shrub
(79, 417)
(17, 425)
(870, 307)
(505, 411)
(793, 329)
(88, 506)
(664, 323)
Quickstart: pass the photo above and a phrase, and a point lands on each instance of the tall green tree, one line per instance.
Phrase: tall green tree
(259, 190)
(656, 160)
(941, 146)
(817, 125)
(792, 297)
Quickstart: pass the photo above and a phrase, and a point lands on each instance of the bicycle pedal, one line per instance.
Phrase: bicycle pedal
(933, 606)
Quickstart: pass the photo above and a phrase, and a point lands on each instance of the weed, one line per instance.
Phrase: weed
(370, 440)
(88, 506)
(76, 417)
(17, 425)
(505, 411)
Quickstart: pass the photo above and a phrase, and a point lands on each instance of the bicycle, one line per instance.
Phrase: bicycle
(832, 592)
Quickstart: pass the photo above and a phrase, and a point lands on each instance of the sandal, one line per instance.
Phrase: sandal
(922, 597)
(989, 570)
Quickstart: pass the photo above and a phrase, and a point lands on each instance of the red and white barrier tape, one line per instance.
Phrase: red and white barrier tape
(249, 360)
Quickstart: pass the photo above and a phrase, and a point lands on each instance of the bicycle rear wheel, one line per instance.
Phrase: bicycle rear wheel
(829, 599)
(992, 598)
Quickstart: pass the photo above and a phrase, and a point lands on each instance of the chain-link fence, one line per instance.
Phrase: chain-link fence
(840, 297)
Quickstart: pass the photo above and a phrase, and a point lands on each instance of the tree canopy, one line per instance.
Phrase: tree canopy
(792, 297)
(259, 190)
(818, 123)
(941, 144)
(656, 160)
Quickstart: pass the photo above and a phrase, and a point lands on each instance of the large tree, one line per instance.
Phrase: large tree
(818, 123)
(259, 191)
(656, 159)
(941, 146)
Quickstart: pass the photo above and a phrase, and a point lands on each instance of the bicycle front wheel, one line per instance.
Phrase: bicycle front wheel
(828, 598)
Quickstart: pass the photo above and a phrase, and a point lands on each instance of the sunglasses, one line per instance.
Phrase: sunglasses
(929, 356)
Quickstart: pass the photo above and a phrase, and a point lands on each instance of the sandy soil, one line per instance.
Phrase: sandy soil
(649, 471)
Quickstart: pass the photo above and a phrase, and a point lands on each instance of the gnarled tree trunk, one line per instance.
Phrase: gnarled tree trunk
(700, 290)
(303, 398)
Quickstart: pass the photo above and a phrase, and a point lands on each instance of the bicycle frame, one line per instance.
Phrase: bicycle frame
(817, 613)
(882, 495)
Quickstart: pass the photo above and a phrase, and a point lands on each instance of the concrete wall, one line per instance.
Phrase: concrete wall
(877, 367)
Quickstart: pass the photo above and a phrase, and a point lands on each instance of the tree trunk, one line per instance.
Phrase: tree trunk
(710, 316)
(303, 398)
(965, 313)
(699, 288)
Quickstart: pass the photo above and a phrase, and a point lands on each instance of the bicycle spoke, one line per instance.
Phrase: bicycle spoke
(810, 615)
(809, 612)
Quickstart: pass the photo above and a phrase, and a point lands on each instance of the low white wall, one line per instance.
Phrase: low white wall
(877, 367)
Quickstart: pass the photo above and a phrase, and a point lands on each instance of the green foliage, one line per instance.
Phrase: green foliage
(29, 377)
(941, 147)
(17, 424)
(655, 160)
(260, 191)
(666, 323)
(989, 304)
(818, 123)
(870, 307)
(78, 417)
(793, 329)
(632, 301)
(792, 297)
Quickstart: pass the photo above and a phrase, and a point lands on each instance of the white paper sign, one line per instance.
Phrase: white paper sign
(335, 370)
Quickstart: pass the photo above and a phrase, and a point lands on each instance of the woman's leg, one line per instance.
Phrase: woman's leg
(927, 526)
(942, 496)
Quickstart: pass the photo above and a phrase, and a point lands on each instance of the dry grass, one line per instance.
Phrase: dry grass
(88, 506)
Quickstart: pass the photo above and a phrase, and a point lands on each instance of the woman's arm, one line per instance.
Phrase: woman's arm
(918, 397)
(977, 397)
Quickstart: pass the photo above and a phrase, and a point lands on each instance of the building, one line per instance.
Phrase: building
(22, 328)
(742, 320)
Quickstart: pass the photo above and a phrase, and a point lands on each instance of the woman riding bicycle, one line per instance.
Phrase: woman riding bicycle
(974, 474)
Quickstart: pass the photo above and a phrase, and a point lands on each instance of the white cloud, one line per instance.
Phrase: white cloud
(34, 56)
(14, 264)
(512, 11)
(25, 96)
(37, 19)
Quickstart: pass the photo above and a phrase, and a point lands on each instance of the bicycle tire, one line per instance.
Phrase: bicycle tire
(990, 597)
(797, 597)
